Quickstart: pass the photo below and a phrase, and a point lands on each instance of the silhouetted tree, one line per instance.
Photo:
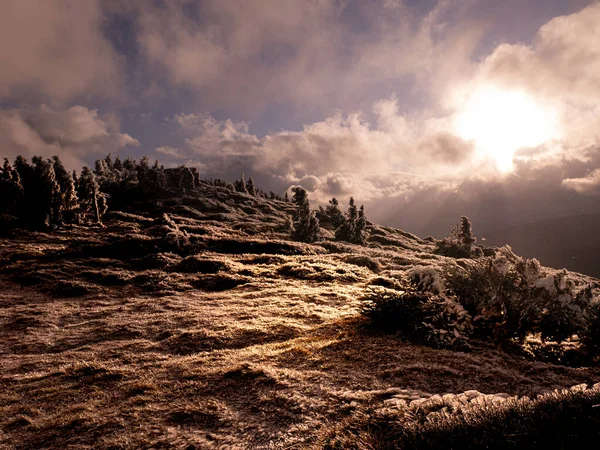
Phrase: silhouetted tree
(187, 181)
(43, 194)
(347, 230)
(360, 233)
(144, 164)
(11, 194)
(109, 162)
(118, 165)
(466, 235)
(333, 213)
(306, 225)
(354, 225)
(75, 179)
(154, 181)
(240, 185)
(250, 187)
(129, 164)
(68, 200)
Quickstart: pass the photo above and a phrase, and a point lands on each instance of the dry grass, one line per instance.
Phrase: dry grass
(244, 340)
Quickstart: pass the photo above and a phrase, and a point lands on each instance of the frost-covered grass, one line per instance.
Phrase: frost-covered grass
(561, 419)
(229, 335)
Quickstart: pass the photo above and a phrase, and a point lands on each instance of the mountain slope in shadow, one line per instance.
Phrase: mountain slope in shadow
(571, 242)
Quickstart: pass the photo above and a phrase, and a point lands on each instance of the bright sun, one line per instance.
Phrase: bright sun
(501, 121)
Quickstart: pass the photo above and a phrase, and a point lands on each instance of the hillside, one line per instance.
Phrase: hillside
(211, 328)
(570, 242)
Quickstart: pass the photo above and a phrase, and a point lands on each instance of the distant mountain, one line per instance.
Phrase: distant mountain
(567, 242)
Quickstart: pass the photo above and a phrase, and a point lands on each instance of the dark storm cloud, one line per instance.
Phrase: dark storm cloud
(55, 50)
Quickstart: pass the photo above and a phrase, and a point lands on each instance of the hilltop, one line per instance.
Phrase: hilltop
(194, 320)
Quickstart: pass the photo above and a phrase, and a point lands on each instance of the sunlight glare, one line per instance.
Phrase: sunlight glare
(501, 121)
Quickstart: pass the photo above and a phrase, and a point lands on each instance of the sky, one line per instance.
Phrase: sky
(422, 110)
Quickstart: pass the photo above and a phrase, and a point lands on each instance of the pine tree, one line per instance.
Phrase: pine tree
(100, 169)
(109, 162)
(466, 233)
(250, 187)
(187, 180)
(306, 225)
(347, 230)
(144, 164)
(11, 190)
(459, 244)
(118, 165)
(7, 171)
(240, 185)
(69, 203)
(333, 212)
(360, 232)
(129, 164)
(92, 200)
(44, 194)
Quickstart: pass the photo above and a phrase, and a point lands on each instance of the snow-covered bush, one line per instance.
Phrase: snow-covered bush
(511, 297)
(426, 278)
(174, 238)
(418, 315)
(590, 335)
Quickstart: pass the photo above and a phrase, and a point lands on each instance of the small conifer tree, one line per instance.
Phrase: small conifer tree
(360, 232)
(347, 230)
(460, 242)
(92, 200)
(466, 236)
(333, 212)
(69, 202)
(187, 180)
(306, 225)
(240, 185)
(250, 187)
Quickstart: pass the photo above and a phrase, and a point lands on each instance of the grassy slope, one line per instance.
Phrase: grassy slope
(108, 342)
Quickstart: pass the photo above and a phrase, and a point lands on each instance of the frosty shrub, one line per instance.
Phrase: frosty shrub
(419, 316)
(590, 335)
(426, 278)
(174, 238)
(510, 297)
(563, 304)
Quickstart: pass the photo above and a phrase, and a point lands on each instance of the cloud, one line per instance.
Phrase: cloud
(55, 50)
(340, 155)
(415, 160)
(254, 57)
(74, 134)
(589, 185)
(171, 152)
(561, 69)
